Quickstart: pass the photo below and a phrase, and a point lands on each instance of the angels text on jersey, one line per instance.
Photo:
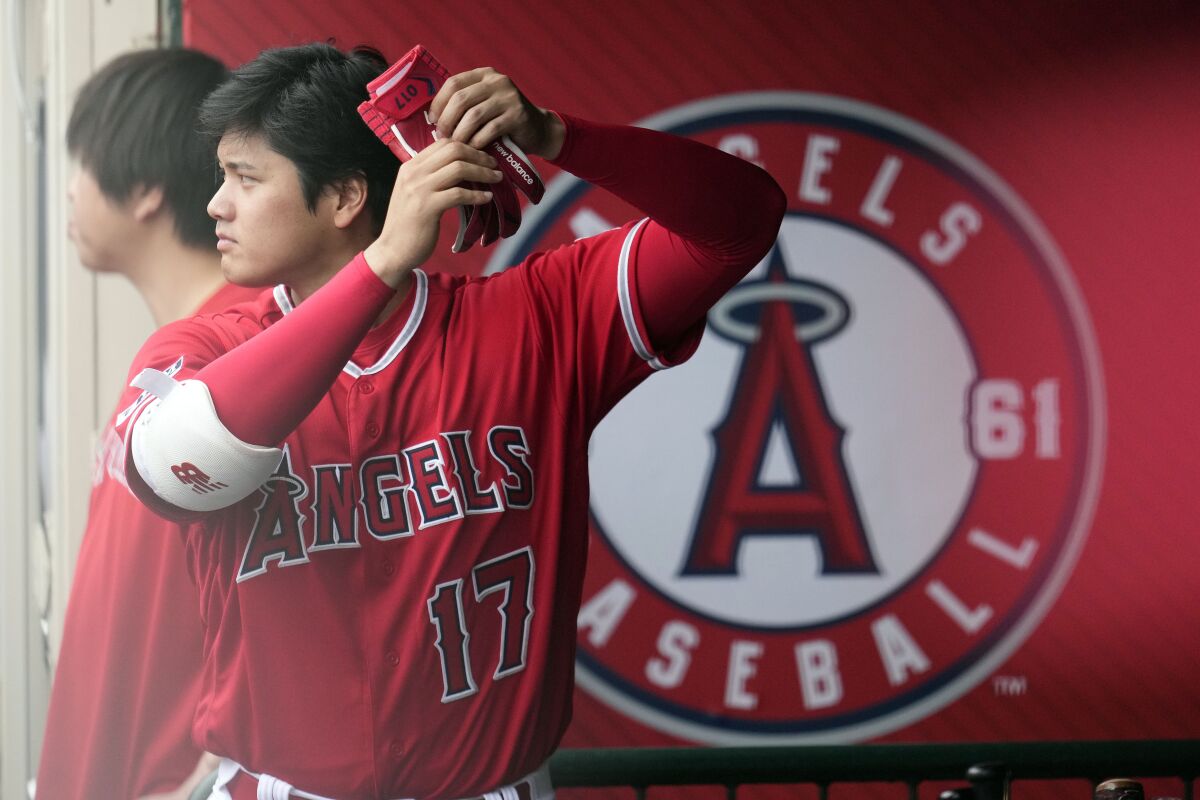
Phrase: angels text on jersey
(388, 496)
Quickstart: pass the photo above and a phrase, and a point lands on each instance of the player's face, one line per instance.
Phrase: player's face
(102, 230)
(265, 232)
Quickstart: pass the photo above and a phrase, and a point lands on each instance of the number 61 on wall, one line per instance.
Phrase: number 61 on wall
(998, 421)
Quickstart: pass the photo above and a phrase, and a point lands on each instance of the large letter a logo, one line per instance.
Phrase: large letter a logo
(778, 390)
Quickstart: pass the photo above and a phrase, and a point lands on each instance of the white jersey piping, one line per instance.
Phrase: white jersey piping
(283, 298)
(625, 295)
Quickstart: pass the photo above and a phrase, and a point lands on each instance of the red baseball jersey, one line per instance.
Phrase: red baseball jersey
(128, 673)
(392, 613)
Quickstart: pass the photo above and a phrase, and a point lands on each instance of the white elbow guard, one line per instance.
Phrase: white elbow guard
(186, 455)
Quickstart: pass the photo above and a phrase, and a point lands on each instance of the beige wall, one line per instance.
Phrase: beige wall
(22, 683)
(93, 327)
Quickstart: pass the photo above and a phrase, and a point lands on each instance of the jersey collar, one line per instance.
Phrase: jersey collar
(283, 298)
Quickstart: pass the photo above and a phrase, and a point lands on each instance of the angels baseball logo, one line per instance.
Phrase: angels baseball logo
(869, 484)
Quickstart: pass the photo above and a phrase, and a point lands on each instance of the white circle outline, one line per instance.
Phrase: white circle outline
(1089, 490)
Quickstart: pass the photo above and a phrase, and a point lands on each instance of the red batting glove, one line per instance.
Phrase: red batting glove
(402, 94)
(508, 207)
(405, 141)
(381, 125)
(397, 113)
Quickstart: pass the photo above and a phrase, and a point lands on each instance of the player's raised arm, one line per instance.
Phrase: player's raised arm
(713, 215)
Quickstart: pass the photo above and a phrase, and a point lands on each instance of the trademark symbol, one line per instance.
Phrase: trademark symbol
(1010, 685)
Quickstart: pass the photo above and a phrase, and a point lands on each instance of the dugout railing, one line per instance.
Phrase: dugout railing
(907, 764)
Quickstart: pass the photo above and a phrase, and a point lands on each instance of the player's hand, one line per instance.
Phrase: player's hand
(480, 106)
(427, 185)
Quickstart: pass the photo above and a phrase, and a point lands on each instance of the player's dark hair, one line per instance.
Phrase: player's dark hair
(303, 102)
(134, 124)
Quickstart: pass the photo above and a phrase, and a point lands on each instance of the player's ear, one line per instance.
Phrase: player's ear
(351, 200)
(145, 202)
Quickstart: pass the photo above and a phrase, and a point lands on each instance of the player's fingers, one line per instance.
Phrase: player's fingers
(477, 117)
(451, 86)
(495, 128)
(429, 203)
(467, 110)
(458, 171)
(448, 104)
(473, 107)
(445, 152)
(462, 196)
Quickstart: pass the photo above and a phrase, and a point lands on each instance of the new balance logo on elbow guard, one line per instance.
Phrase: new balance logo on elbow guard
(191, 475)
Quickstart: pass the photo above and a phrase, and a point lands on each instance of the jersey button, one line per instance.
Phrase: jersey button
(366, 387)
(393, 659)
(372, 430)
(389, 568)
(396, 750)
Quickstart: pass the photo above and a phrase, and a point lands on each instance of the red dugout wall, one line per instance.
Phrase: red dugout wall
(1043, 183)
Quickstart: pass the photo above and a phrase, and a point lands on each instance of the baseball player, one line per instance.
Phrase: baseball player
(388, 466)
(128, 674)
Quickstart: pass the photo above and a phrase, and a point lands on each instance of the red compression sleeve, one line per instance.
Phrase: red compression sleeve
(288, 367)
(716, 215)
